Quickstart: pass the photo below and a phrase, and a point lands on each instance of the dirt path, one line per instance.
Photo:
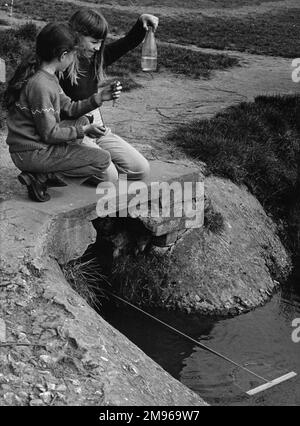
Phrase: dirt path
(146, 115)
(181, 11)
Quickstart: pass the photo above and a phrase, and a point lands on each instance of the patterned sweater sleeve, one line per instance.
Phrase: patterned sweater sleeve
(44, 108)
(75, 109)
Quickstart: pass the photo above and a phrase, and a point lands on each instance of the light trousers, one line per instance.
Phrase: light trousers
(106, 158)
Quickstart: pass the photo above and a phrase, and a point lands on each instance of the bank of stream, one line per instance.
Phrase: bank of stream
(261, 340)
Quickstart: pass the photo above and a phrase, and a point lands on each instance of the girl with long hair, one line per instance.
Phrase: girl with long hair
(94, 56)
(40, 145)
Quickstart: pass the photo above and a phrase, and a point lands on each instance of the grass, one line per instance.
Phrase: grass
(14, 44)
(188, 4)
(193, 64)
(176, 60)
(86, 279)
(4, 22)
(62, 11)
(256, 144)
(268, 34)
(143, 280)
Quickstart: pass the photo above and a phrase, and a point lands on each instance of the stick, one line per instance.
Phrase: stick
(271, 383)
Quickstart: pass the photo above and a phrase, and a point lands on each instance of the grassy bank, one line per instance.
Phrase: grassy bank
(269, 34)
(256, 144)
(14, 44)
(266, 34)
(178, 61)
(189, 4)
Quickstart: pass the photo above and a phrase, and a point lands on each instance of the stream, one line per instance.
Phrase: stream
(260, 340)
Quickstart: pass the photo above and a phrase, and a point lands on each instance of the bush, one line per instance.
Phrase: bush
(14, 44)
(27, 32)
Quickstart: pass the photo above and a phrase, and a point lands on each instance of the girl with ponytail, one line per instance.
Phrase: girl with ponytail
(94, 56)
(42, 146)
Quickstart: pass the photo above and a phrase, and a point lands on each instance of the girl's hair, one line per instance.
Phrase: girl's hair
(52, 41)
(88, 23)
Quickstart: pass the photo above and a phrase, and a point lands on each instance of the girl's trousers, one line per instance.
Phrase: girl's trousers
(106, 159)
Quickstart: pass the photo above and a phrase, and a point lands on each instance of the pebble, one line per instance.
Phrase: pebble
(21, 335)
(74, 382)
(5, 387)
(23, 394)
(2, 331)
(24, 270)
(10, 398)
(47, 359)
(22, 304)
(51, 386)
(40, 387)
(46, 397)
(61, 396)
(3, 379)
(36, 403)
(61, 388)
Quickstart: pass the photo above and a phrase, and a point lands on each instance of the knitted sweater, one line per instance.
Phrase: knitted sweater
(87, 82)
(34, 122)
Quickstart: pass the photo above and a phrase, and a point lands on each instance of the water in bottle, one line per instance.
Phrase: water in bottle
(149, 52)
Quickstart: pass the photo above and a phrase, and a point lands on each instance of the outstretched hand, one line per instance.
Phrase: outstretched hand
(110, 92)
(149, 21)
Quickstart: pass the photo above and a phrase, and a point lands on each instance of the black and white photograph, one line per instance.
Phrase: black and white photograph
(149, 206)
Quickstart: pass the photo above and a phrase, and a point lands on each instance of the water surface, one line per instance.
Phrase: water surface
(260, 340)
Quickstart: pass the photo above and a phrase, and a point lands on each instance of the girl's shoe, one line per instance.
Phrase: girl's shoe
(37, 190)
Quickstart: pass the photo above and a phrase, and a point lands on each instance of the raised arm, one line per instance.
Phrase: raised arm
(115, 50)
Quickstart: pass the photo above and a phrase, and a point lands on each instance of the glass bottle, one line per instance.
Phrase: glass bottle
(149, 52)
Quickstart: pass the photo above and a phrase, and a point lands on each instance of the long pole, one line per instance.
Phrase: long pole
(189, 338)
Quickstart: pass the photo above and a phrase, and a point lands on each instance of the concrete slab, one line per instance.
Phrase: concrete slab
(68, 215)
(77, 199)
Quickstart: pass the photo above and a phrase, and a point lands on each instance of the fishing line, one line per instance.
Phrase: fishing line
(268, 384)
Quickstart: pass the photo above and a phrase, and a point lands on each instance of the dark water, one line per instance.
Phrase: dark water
(260, 340)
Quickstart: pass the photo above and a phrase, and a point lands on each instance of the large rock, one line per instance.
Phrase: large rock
(215, 273)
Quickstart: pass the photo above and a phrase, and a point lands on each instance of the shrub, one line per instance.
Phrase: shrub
(14, 44)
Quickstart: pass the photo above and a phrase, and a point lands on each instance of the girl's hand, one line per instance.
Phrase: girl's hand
(111, 92)
(94, 130)
(149, 21)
